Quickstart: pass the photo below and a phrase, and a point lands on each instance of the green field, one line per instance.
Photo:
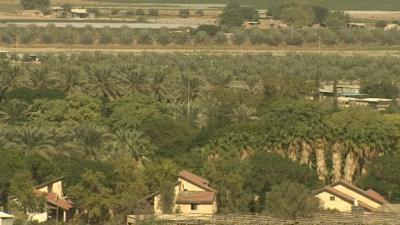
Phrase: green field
(332, 4)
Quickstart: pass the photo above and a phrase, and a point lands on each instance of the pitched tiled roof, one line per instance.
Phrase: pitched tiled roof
(53, 199)
(195, 197)
(194, 179)
(358, 190)
(376, 195)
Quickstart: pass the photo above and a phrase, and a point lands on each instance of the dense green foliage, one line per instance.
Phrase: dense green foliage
(291, 200)
(307, 13)
(35, 4)
(234, 15)
(124, 125)
(338, 35)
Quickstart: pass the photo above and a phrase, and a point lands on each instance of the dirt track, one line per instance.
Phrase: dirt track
(278, 52)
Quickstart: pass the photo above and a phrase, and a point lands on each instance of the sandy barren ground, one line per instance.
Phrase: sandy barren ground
(375, 15)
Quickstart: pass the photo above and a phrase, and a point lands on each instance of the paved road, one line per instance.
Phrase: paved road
(101, 25)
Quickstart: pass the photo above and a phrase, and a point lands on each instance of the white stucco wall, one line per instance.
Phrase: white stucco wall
(40, 217)
(6, 221)
(337, 204)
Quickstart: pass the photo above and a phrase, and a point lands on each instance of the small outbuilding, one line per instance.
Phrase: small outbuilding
(6, 219)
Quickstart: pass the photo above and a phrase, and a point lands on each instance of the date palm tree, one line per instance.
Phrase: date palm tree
(8, 76)
(30, 139)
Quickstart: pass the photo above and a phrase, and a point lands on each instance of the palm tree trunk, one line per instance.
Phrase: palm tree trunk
(279, 150)
(351, 166)
(305, 153)
(336, 161)
(321, 163)
(292, 151)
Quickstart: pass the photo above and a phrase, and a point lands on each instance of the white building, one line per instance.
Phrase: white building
(6, 219)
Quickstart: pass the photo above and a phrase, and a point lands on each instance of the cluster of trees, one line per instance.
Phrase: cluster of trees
(119, 127)
(35, 4)
(307, 13)
(204, 35)
(234, 15)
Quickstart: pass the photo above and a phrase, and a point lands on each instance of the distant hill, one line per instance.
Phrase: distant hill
(332, 4)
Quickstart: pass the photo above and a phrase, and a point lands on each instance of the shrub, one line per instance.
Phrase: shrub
(273, 37)
(220, 38)
(239, 37)
(211, 30)
(200, 37)
(106, 35)
(381, 24)
(199, 13)
(256, 36)
(291, 199)
(130, 13)
(153, 12)
(164, 37)
(293, 37)
(328, 37)
(145, 37)
(35, 4)
(126, 36)
(140, 12)
(232, 16)
(184, 13)
(182, 38)
(114, 12)
(87, 37)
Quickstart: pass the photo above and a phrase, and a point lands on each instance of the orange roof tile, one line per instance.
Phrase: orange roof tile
(195, 197)
(194, 179)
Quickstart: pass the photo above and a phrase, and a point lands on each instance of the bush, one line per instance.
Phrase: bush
(291, 200)
(164, 37)
(87, 37)
(232, 16)
(126, 36)
(273, 37)
(293, 37)
(114, 12)
(328, 37)
(220, 38)
(66, 35)
(239, 37)
(184, 13)
(182, 38)
(48, 35)
(145, 37)
(211, 30)
(35, 4)
(130, 13)
(153, 12)
(256, 36)
(199, 13)
(106, 35)
(200, 37)
(140, 12)
(381, 24)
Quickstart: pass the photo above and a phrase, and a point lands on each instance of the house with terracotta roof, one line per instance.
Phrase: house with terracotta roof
(345, 197)
(193, 195)
(58, 207)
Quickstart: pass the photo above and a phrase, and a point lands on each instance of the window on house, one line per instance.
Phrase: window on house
(193, 207)
(332, 198)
